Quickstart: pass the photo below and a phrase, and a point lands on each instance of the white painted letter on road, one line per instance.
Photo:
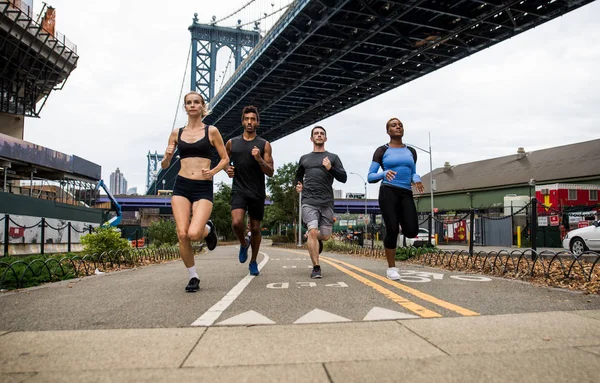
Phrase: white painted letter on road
(471, 278)
(306, 284)
(278, 285)
(339, 284)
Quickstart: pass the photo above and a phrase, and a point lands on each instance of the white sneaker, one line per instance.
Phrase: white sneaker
(393, 273)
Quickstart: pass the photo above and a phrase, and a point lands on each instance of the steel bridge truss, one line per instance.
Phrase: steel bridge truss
(206, 42)
(33, 62)
(325, 56)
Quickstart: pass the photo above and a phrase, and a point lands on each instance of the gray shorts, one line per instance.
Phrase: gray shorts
(318, 217)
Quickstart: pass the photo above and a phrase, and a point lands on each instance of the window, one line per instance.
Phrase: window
(572, 195)
(593, 195)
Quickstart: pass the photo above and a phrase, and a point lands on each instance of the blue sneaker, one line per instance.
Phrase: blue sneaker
(253, 267)
(243, 255)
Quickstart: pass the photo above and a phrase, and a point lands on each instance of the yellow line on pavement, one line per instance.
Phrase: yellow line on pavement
(426, 297)
(414, 307)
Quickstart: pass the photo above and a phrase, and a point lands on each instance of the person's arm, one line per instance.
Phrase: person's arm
(300, 177)
(229, 168)
(265, 160)
(170, 151)
(338, 171)
(300, 174)
(416, 179)
(374, 175)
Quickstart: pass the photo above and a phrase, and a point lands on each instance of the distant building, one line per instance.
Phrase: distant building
(118, 183)
(132, 190)
(355, 195)
(337, 193)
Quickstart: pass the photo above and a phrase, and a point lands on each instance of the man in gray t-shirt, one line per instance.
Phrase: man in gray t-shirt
(314, 178)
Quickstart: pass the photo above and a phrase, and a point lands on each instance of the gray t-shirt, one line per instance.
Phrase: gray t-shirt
(316, 180)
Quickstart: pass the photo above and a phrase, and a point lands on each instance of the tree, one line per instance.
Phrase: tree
(104, 239)
(221, 214)
(282, 188)
(163, 232)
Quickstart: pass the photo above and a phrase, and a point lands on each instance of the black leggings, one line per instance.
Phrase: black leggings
(398, 209)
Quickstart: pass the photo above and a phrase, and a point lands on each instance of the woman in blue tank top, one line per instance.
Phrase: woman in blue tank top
(192, 199)
(398, 175)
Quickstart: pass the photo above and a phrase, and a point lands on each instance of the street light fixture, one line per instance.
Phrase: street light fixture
(430, 177)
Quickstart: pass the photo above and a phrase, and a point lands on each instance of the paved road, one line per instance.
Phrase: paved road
(353, 290)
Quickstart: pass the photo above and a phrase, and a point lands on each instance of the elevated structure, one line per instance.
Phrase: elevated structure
(324, 57)
(36, 59)
(206, 42)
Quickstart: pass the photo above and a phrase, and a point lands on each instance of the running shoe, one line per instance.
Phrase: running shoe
(253, 267)
(243, 255)
(316, 272)
(211, 238)
(193, 285)
(393, 273)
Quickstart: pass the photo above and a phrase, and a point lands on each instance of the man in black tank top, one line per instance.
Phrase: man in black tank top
(250, 159)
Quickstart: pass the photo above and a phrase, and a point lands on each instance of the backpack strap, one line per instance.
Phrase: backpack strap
(413, 152)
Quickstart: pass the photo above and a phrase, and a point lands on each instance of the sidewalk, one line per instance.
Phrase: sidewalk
(534, 347)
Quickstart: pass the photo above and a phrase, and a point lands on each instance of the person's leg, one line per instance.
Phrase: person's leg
(256, 212)
(201, 211)
(389, 204)
(310, 217)
(237, 224)
(181, 212)
(255, 238)
(407, 216)
(325, 226)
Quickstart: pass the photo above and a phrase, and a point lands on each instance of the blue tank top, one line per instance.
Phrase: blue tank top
(201, 148)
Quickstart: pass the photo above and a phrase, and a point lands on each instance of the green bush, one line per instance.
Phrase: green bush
(404, 253)
(163, 232)
(104, 239)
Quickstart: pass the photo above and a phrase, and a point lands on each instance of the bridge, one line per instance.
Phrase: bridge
(323, 57)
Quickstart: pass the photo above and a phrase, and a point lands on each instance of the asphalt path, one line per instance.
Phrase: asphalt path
(353, 288)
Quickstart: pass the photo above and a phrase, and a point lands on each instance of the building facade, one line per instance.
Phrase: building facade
(118, 183)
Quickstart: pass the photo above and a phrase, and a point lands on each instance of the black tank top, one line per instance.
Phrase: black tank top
(249, 178)
(201, 148)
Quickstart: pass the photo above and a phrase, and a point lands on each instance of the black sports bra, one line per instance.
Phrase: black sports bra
(201, 148)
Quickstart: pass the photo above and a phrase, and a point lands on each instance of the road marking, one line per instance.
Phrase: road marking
(426, 297)
(213, 313)
(320, 316)
(414, 307)
(248, 318)
(379, 313)
(394, 297)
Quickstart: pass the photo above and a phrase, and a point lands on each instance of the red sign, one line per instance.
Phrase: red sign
(581, 224)
(553, 220)
(16, 232)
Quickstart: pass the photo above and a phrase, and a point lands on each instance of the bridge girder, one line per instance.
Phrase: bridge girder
(339, 53)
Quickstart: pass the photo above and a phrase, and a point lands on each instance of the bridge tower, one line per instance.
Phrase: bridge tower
(154, 160)
(207, 39)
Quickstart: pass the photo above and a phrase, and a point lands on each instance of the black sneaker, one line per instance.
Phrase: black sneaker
(193, 285)
(320, 246)
(316, 272)
(211, 238)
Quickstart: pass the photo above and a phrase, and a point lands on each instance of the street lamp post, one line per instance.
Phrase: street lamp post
(430, 180)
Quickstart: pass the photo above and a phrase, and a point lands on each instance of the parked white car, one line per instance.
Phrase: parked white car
(420, 240)
(584, 239)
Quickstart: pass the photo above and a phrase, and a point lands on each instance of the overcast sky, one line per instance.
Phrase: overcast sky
(536, 90)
